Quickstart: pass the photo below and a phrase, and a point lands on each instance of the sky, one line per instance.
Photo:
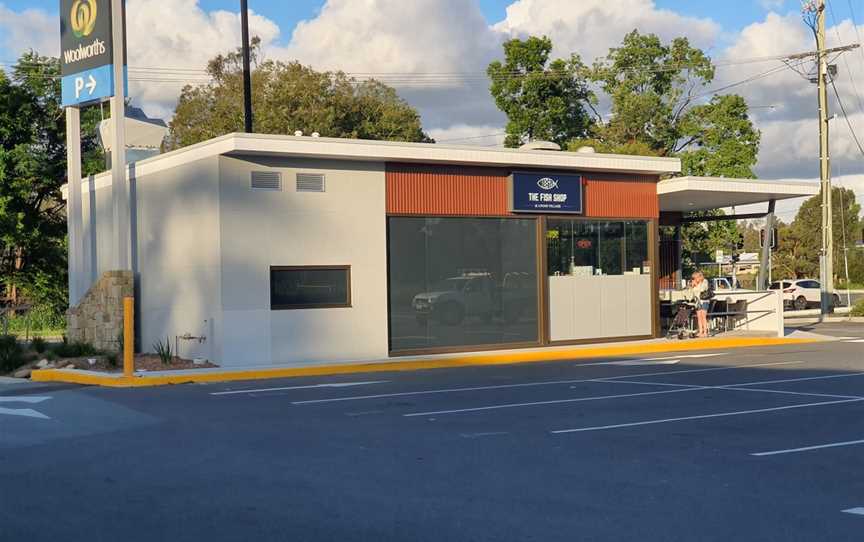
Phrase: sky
(410, 43)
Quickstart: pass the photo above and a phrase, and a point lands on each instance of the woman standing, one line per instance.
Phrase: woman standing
(698, 285)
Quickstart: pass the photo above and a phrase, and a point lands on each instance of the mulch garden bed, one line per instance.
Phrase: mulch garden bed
(143, 362)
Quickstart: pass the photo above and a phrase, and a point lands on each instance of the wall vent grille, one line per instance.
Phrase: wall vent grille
(267, 180)
(310, 182)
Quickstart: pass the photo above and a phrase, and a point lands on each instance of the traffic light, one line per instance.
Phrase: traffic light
(773, 238)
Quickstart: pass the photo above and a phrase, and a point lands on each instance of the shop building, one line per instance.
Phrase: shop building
(280, 250)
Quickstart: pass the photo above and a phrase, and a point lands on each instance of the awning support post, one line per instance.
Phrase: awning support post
(766, 248)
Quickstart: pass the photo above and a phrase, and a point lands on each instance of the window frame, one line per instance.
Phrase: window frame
(304, 306)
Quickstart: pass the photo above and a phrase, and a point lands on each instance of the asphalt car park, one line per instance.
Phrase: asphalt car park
(749, 444)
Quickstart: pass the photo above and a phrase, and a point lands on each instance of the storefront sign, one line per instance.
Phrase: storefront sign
(86, 51)
(546, 193)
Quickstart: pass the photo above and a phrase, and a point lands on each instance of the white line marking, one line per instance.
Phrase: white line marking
(552, 402)
(23, 399)
(808, 448)
(690, 356)
(334, 385)
(857, 511)
(704, 416)
(856, 341)
(803, 393)
(489, 434)
(805, 379)
(604, 381)
(631, 362)
(681, 387)
(530, 384)
(26, 412)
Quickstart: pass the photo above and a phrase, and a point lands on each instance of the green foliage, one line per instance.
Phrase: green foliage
(38, 345)
(32, 169)
(11, 354)
(38, 320)
(163, 350)
(543, 99)
(75, 350)
(858, 309)
(798, 253)
(654, 91)
(287, 97)
(651, 87)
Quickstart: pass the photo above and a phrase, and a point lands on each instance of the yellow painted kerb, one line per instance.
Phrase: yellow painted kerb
(468, 360)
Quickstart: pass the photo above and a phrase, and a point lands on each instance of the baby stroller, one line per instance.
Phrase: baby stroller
(682, 324)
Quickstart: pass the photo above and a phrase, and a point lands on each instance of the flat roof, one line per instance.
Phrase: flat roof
(239, 144)
(687, 194)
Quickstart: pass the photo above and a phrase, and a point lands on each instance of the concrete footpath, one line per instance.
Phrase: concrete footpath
(503, 357)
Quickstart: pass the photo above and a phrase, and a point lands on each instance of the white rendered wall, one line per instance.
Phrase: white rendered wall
(345, 225)
(175, 252)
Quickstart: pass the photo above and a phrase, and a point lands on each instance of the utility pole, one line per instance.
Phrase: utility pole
(247, 75)
(826, 264)
(119, 184)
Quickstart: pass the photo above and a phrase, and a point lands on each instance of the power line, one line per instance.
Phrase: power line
(846, 60)
(846, 116)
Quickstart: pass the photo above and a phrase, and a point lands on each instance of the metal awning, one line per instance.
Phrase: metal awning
(689, 194)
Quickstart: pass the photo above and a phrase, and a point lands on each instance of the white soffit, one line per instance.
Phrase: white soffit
(686, 194)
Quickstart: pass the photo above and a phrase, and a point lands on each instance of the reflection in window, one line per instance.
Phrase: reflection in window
(310, 287)
(589, 247)
(462, 282)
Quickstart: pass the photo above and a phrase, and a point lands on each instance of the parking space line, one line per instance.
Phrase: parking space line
(804, 379)
(610, 381)
(704, 416)
(532, 384)
(550, 402)
(315, 386)
(857, 511)
(786, 392)
(808, 448)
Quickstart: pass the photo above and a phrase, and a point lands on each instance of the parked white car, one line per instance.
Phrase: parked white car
(802, 293)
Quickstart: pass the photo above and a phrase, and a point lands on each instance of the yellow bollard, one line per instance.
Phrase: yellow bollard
(128, 336)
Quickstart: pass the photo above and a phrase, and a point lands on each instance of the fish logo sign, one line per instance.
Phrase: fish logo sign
(547, 183)
(83, 17)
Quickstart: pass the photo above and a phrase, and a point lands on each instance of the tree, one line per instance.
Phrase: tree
(542, 99)
(800, 243)
(32, 170)
(287, 97)
(655, 91)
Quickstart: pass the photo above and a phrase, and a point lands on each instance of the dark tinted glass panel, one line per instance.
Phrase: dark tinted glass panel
(586, 247)
(310, 287)
(462, 282)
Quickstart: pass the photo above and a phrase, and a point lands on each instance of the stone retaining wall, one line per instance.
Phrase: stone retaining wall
(98, 318)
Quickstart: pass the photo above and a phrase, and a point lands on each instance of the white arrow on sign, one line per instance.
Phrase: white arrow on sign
(26, 412)
(80, 85)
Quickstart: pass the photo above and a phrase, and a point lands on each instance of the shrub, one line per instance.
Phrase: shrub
(75, 350)
(11, 353)
(858, 309)
(38, 345)
(163, 350)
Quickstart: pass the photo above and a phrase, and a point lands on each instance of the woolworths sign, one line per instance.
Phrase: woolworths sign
(86, 54)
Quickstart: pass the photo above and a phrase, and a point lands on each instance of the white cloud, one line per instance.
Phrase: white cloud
(29, 29)
(465, 134)
(591, 27)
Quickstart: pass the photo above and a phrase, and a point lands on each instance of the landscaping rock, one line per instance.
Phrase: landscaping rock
(43, 364)
(22, 373)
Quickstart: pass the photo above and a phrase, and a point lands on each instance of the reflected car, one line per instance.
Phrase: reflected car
(475, 294)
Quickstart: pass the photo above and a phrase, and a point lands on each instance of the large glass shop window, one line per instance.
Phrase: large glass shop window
(599, 279)
(462, 282)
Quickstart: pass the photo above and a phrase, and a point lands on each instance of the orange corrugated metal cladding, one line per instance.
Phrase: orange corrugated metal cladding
(425, 189)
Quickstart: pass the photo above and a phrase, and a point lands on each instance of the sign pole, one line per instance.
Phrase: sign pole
(73, 204)
(119, 185)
